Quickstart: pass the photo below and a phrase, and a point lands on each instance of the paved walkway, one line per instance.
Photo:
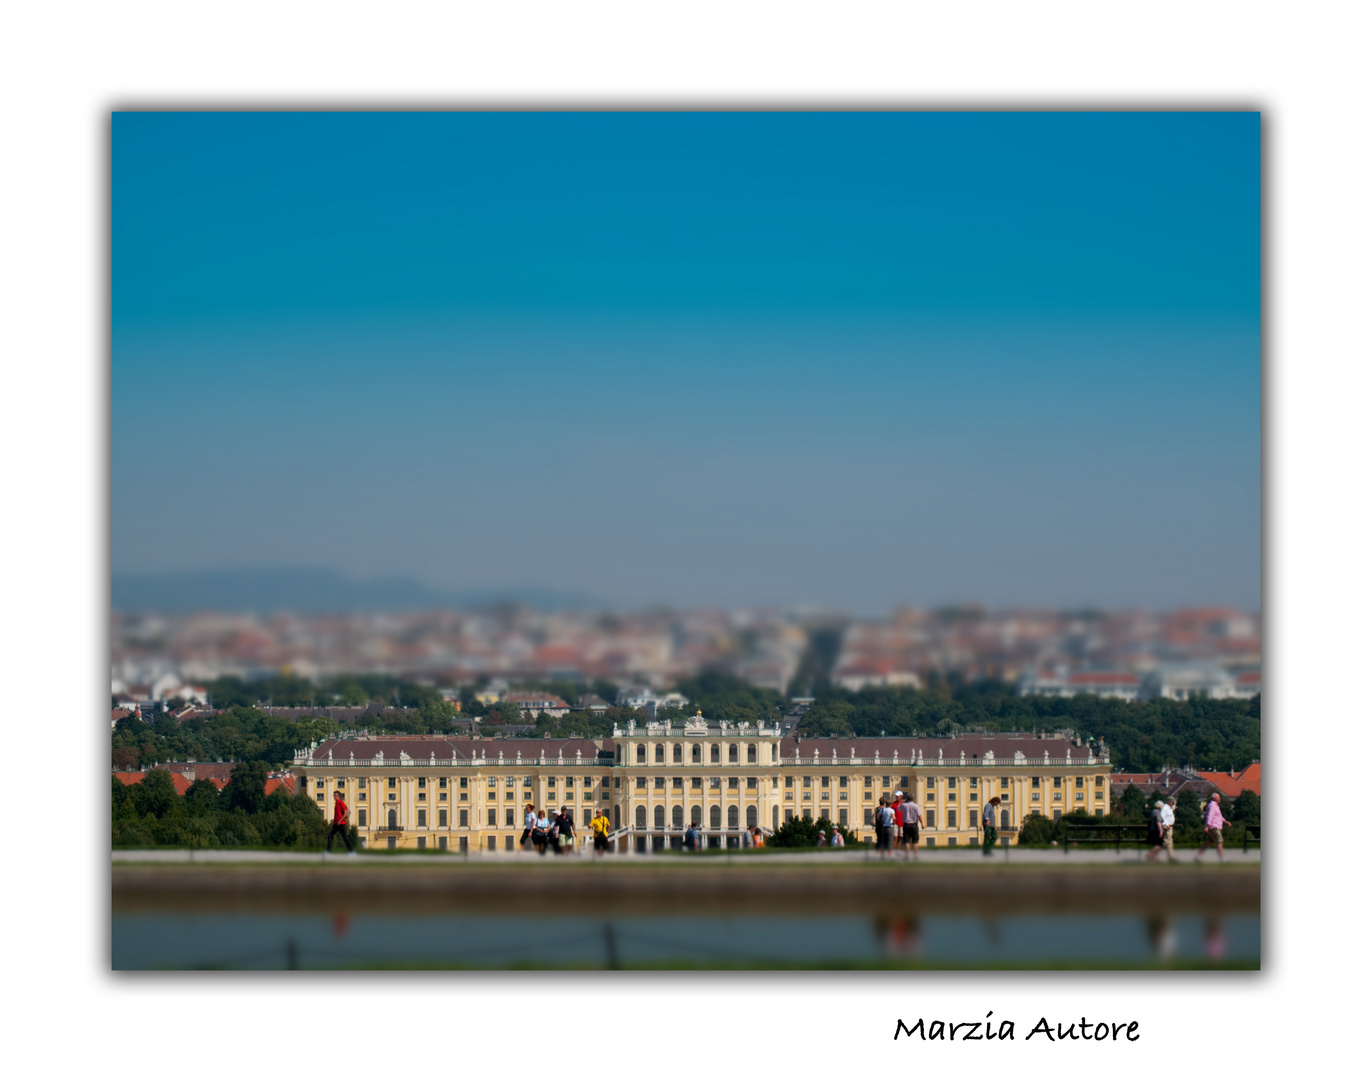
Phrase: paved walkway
(937, 857)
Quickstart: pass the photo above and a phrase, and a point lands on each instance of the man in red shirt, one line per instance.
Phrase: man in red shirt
(339, 826)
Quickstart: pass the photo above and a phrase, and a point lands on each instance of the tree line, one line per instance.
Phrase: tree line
(1141, 736)
(152, 814)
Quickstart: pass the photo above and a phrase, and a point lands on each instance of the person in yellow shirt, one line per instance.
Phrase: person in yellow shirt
(599, 827)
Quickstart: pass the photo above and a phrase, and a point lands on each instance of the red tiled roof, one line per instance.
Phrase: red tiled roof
(1249, 779)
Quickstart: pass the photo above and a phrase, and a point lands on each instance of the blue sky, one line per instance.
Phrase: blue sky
(835, 359)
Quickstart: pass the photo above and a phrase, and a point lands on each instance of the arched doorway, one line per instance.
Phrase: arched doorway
(713, 754)
(732, 817)
(678, 816)
(732, 753)
(694, 753)
(659, 817)
(641, 754)
(641, 817)
(1003, 819)
(696, 815)
(751, 817)
(751, 753)
(675, 754)
(715, 817)
(393, 820)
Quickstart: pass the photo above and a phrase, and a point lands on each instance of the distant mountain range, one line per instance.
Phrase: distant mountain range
(313, 590)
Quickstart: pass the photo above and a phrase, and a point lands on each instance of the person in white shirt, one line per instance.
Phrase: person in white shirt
(1168, 828)
(837, 840)
(910, 817)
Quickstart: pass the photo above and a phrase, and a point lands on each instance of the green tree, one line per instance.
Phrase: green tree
(246, 790)
(1133, 804)
(1036, 831)
(156, 795)
(1246, 808)
(803, 832)
(202, 798)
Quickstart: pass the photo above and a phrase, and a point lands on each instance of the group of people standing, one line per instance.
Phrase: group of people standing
(750, 838)
(898, 820)
(544, 829)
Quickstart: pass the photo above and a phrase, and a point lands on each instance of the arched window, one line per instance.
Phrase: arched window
(616, 817)
(675, 754)
(677, 816)
(713, 754)
(732, 817)
(393, 820)
(694, 752)
(659, 817)
(660, 754)
(641, 817)
(715, 817)
(1003, 819)
(751, 753)
(641, 754)
(732, 753)
(696, 815)
(751, 816)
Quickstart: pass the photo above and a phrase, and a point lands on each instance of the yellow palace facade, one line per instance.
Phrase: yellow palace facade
(653, 780)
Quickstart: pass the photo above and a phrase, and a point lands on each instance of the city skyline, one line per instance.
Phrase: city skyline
(834, 360)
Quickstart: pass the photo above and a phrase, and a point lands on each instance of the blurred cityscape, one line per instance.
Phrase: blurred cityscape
(1134, 655)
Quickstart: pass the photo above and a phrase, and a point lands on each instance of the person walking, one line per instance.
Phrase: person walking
(822, 838)
(757, 839)
(837, 840)
(911, 817)
(896, 805)
(1155, 834)
(339, 826)
(528, 818)
(566, 832)
(599, 828)
(692, 837)
(1213, 827)
(988, 823)
(746, 838)
(884, 828)
(1168, 828)
(541, 826)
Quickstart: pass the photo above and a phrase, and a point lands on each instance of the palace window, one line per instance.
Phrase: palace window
(660, 754)
(732, 753)
(390, 782)
(659, 782)
(508, 817)
(361, 794)
(974, 783)
(641, 757)
(694, 753)
(491, 782)
(868, 781)
(823, 782)
(1055, 781)
(461, 818)
(789, 781)
(1079, 781)
(696, 782)
(361, 818)
(715, 782)
(713, 754)
(423, 819)
(751, 753)
(751, 783)
(677, 782)
(318, 784)
(422, 796)
(490, 819)
(641, 782)
(841, 781)
(808, 781)
(423, 782)
(1036, 797)
(442, 819)
(732, 781)
(951, 783)
(675, 754)
(442, 781)
(951, 819)
(1003, 783)
(1098, 781)
(931, 815)
(1036, 781)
